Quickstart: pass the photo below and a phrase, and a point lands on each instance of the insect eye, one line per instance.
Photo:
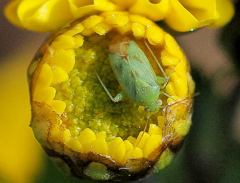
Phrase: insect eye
(159, 102)
(147, 109)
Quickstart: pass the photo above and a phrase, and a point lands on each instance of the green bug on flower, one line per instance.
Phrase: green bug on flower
(135, 74)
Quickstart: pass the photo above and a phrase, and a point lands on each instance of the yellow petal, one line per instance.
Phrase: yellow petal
(154, 130)
(83, 11)
(117, 20)
(59, 75)
(141, 139)
(124, 3)
(180, 18)
(154, 34)
(75, 30)
(226, 11)
(117, 149)
(101, 28)
(44, 94)
(86, 137)
(172, 47)
(42, 15)
(101, 135)
(152, 143)
(128, 145)
(153, 11)
(187, 15)
(203, 10)
(74, 144)
(135, 153)
(45, 77)
(58, 106)
(138, 30)
(92, 21)
(63, 41)
(170, 88)
(99, 146)
(106, 5)
(181, 15)
(63, 58)
(168, 59)
(11, 13)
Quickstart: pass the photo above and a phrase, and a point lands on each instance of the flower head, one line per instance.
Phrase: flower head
(74, 118)
(181, 15)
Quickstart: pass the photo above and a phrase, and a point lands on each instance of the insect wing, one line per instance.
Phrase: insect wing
(140, 64)
(123, 73)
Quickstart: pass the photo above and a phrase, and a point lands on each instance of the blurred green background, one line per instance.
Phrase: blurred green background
(211, 152)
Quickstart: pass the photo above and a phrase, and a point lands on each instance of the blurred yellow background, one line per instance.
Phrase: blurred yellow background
(20, 155)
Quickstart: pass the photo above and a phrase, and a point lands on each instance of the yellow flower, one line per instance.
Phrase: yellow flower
(181, 15)
(75, 120)
(20, 156)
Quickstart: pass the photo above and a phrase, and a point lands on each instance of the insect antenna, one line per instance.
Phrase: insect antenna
(142, 137)
(162, 70)
(155, 58)
(159, 65)
(147, 123)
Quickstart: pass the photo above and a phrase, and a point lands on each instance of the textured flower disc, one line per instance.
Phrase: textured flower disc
(80, 127)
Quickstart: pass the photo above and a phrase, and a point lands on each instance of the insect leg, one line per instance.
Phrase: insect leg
(169, 96)
(155, 58)
(164, 81)
(119, 96)
(161, 80)
(165, 84)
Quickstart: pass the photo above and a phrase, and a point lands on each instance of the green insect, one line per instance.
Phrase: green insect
(135, 74)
